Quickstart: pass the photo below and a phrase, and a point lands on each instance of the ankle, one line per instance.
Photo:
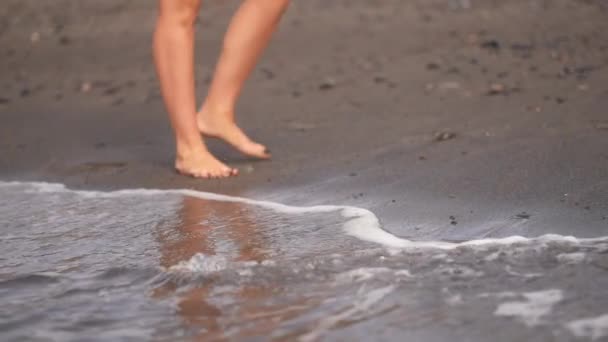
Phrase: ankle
(188, 150)
(213, 110)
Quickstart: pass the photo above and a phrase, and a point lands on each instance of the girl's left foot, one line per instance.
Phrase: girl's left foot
(221, 127)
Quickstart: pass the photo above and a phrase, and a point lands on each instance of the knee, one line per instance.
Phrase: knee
(179, 12)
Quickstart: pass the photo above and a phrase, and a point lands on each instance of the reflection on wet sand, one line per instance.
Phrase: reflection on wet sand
(202, 226)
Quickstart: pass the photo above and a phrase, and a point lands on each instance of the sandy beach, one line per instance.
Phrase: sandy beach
(353, 100)
(449, 120)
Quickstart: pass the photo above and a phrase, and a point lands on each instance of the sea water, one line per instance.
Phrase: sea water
(171, 265)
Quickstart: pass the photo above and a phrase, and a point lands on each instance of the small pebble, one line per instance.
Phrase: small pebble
(443, 136)
(35, 37)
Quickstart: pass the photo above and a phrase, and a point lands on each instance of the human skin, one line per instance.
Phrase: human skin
(249, 32)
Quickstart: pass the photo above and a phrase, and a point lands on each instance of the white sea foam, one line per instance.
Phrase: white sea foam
(571, 258)
(533, 309)
(594, 328)
(404, 273)
(510, 271)
(201, 263)
(500, 295)
(360, 274)
(361, 223)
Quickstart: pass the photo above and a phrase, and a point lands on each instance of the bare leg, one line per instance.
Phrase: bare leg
(174, 57)
(248, 35)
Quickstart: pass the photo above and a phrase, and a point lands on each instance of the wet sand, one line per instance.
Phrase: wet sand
(446, 122)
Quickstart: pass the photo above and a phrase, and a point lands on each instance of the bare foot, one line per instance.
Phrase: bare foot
(217, 127)
(202, 164)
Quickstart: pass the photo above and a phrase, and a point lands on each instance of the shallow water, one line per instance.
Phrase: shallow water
(184, 265)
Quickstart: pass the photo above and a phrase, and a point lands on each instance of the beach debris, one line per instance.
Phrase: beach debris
(379, 79)
(565, 71)
(432, 66)
(35, 37)
(453, 220)
(496, 89)
(268, 73)
(300, 126)
(602, 125)
(583, 71)
(384, 80)
(444, 136)
(523, 215)
(502, 74)
(555, 55)
(352, 174)
(86, 87)
(4, 100)
(111, 90)
(328, 84)
(490, 45)
(25, 92)
(421, 158)
(427, 18)
(536, 109)
(522, 50)
(560, 100)
(449, 85)
(65, 40)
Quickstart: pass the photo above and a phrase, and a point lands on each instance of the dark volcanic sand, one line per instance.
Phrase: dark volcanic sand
(354, 100)
(447, 122)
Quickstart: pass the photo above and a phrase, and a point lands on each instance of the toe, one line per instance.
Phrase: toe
(220, 173)
(264, 152)
(229, 172)
(226, 171)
